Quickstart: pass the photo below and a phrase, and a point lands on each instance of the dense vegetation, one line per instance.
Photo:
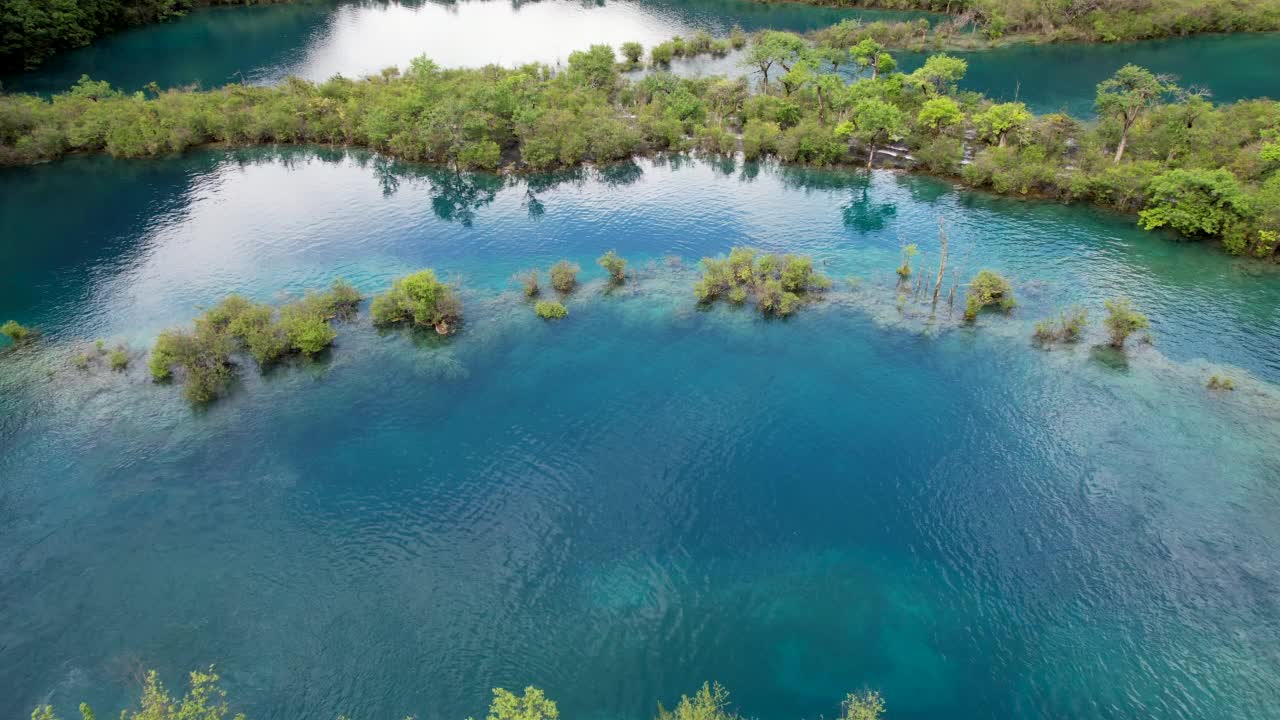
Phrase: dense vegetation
(33, 30)
(1091, 20)
(777, 284)
(204, 355)
(418, 299)
(206, 700)
(1167, 152)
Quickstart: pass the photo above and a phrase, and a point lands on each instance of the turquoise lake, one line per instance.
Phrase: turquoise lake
(317, 39)
(647, 494)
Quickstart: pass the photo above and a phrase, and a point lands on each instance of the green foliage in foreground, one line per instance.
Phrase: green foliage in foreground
(613, 264)
(1156, 149)
(986, 289)
(418, 299)
(778, 284)
(1122, 321)
(204, 355)
(18, 334)
(206, 700)
(550, 310)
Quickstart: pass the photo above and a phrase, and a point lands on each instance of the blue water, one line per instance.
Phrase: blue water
(645, 495)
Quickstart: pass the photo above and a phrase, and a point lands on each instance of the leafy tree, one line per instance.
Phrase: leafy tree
(532, 705)
(997, 122)
(774, 47)
(420, 299)
(939, 74)
(564, 276)
(870, 54)
(614, 265)
(596, 67)
(632, 52)
(1196, 201)
(710, 702)
(863, 706)
(1126, 96)
(1122, 321)
(988, 288)
(874, 121)
(938, 114)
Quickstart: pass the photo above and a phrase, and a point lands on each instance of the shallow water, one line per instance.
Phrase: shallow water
(322, 38)
(645, 495)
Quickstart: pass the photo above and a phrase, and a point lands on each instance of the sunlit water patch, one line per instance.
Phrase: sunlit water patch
(646, 494)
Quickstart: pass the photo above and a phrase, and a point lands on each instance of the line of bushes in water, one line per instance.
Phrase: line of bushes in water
(1087, 20)
(206, 700)
(203, 357)
(1157, 150)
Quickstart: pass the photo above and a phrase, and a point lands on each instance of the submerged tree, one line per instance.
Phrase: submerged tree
(779, 284)
(614, 265)
(1068, 328)
(550, 310)
(564, 276)
(18, 334)
(1122, 321)
(988, 288)
(419, 299)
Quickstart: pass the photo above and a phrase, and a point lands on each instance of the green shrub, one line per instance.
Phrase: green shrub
(660, 55)
(908, 252)
(988, 288)
(118, 359)
(533, 705)
(737, 38)
(419, 299)
(529, 283)
(1122, 321)
(18, 334)
(614, 265)
(550, 309)
(564, 276)
(632, 53)
(710, 702)
(780, 284)
(1068, 328)
(1222, 382)
(863, 706)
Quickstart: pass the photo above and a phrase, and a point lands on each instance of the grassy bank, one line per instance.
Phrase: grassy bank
(1165, 154)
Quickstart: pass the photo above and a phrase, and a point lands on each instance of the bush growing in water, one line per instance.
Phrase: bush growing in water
(529, 283)
(118, 359)
(235, 325)
(1217, 382)
(550, 310)
(19, 334)
(1122, 321)
(419, 299)
(564, 276)
(614, 265)
(778, 283)
(1068, 329)
(988, 288)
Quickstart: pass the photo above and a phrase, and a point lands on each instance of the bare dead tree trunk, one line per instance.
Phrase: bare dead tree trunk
(942, 267)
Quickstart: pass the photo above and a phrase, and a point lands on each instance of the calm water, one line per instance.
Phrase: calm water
(645, 495)
(320, 38)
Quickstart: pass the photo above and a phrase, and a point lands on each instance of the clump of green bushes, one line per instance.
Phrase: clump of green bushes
(564, 276)
(778, 284)
(204, 354)
(1122, 321)
(529, 283)
(18, 334)
(418, 299)
(550, 310)
(988, 288)
(1068, 328)
(615, 265)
